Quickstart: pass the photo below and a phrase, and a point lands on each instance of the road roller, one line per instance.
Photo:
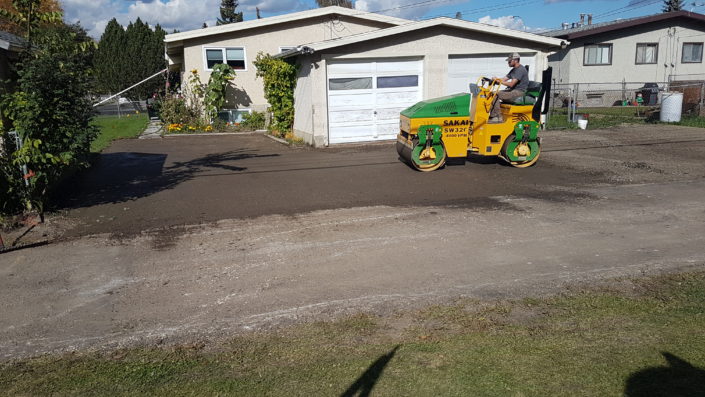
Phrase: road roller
(440, 131)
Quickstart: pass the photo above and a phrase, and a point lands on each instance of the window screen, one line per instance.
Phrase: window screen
(646, 53)
(213, 57)
(397, 81)
(598, 54)
(692, 53)
(356, 83)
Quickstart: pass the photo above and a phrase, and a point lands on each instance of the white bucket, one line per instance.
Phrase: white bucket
(671, 107)
(582, 124)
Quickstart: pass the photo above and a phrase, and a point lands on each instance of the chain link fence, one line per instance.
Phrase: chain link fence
(120, 107)
(608, 104)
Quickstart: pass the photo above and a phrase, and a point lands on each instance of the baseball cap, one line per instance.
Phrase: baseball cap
(513, 56)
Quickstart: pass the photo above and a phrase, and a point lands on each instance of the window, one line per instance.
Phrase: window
(598, 54)
(286, 48)
(646, 53)
(692, 53)
(397, 81)
(355, 83)
(233, 56)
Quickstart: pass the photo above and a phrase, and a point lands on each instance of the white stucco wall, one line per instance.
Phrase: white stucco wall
(670, 36)
(247, 91)
(433, 45)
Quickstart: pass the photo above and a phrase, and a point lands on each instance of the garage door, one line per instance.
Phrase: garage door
(466, 69)
(365, 98)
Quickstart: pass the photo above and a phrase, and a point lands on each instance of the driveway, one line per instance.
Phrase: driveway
(201, 238)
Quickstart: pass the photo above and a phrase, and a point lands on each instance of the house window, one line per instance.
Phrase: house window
(646, 53)
(397, 81)
(355, 83)
(286, 48)
(692, 53)
(598, 54)
(233, 56)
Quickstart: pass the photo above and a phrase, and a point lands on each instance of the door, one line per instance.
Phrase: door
(466, 69)
(365, 98)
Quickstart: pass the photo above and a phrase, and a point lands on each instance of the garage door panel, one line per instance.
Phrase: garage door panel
(359, 115)
(352, 116)
(466, 69)
(361, 99)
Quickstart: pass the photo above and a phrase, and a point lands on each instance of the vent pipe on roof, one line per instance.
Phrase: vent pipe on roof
(565, 25)
(582, 19)
(573, 25)
(589, 19)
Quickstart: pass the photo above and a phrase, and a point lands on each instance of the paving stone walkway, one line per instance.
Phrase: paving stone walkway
(153, 130)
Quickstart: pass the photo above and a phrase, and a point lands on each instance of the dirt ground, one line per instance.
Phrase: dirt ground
(201, 237)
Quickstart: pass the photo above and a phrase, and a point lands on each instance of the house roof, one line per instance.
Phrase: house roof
(256, 23)
(413, 26)
(597, 28)
(10, 42)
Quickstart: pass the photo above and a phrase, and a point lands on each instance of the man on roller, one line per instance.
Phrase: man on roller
(517, 80)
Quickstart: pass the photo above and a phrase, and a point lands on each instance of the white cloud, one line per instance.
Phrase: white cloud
(509, 22)
(174, 14)
(272, 5)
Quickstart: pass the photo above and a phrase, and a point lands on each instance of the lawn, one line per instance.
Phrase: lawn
(114, 127)
(628, 337)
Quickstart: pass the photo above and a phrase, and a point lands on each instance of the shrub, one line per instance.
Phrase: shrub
(279, 83)
(253, 121)
(175, 110)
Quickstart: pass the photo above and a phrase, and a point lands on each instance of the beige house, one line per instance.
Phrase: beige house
(352, 89)
(655, 48)
(238, 44)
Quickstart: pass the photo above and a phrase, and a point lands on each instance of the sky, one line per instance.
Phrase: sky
(528, 15)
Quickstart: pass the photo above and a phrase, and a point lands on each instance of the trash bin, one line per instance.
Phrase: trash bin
(650, 93)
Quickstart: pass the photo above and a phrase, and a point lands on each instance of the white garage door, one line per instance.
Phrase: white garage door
(466, 69)
(365, 98)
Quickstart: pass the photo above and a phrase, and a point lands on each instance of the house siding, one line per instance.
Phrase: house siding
(670, 36)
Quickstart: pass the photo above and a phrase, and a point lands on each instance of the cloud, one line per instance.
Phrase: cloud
(273, 5)
(509, 22)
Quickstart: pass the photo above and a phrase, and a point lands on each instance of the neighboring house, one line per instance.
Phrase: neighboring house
(238, 44)
(654, 48)
(352, 89)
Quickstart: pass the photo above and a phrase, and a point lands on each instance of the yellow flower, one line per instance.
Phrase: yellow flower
(194, 71)
(209, 128)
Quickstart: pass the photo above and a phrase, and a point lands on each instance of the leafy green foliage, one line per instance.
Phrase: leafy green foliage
(253, 121)
(127, 56)
(227, 12)
(28, 16)
(214, 93)
(672, 5)
(51, 112)
(279, 83)
(175, 110)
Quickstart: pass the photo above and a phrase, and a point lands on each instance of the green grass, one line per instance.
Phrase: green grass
(611, 340)
(692, 121)
(613, 116)
(113, 128)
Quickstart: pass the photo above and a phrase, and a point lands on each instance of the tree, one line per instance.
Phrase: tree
(128, 56)
(23, 17)
(339, 3)
(227, 12)
(672, 5)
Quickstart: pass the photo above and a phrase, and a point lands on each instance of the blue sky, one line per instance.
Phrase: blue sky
(531, 15)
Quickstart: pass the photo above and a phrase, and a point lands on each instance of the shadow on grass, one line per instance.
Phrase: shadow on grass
(362, 387)
(678, 379)
(119, 177)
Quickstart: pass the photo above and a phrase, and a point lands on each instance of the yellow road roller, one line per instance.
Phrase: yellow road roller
(440, 131)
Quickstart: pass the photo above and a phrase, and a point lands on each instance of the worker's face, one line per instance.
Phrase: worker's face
(512, 62)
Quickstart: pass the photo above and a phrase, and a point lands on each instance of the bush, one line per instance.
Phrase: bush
(52, 112)
(175, 110)
(279, 83)
(253, 121)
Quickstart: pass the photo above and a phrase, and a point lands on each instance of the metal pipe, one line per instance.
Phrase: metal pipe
(131, 87)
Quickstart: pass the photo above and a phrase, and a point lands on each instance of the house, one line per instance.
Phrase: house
(358, 69)
(352, 89)
(654, 48)
(239, 43)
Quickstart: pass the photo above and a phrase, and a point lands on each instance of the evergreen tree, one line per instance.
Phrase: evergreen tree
(110, 60)
(227, 12)
(672, 5)
(339, 3)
